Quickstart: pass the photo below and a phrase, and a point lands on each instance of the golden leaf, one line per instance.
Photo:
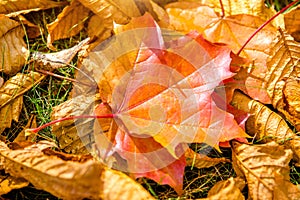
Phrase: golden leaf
(185, 17)
(226, 190)
(261, 165)
(282, 77)
(13, 51)
(81, 179)
(263, 123)
(292, 22)
(16, 7)
(30, 124)
(68, 23)
(201, 161)
(8, 183)
(11, 96)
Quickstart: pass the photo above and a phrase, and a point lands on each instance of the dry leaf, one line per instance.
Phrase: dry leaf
(9, 183)
(30, 124)
(13, 51)
(292, 22)
(52, 61)
(68, 23)
(77, 139)
(11, 96)
(32, 30)
(260, 164)
(227, 190)
(263, 124)
(80, 179)
(201, 161)
(16, 7)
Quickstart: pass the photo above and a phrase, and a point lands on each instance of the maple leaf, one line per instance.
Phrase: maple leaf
(160, 94)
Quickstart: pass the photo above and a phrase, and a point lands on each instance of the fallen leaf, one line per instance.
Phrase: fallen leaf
(77, 139)
(292, 22)
(226, 190)
(32, 30)
(9, 183)
(16, 7)
(152, 113)
(52, 61)
(13, 49)
(30, 124)
(186, 17)
(263, 123)
(261, 165)
(194, 159)
(11, 99)
(68, 23)
(87, 179)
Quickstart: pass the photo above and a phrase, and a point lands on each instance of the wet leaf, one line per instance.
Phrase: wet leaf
(262, 165)
(11, 99)
(13, 50)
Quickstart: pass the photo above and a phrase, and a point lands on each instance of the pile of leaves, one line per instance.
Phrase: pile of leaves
(157, 87)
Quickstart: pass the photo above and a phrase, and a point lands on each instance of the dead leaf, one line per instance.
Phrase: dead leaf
(200, 160)
(1, 81)
(16, 7)
(9, 183)
(13, 50)
(81, 179)
(292, 22)
(263, 124)
(186, 17)
(226, 190)
(32, 30)
(52, 61)
(77, 139)
(68, 23)
(30, 124)
(260, 164)
(11, 96)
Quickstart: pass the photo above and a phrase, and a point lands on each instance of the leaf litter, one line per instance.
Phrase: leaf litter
(267, 73)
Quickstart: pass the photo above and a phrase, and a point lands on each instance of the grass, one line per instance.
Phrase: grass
(40, 100)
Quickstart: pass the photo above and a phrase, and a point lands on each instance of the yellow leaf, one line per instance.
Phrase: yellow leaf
(11, 96)
(13, 50)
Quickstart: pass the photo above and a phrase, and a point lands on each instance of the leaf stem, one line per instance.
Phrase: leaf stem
(266, 23)
(222, 8)
(35, 130)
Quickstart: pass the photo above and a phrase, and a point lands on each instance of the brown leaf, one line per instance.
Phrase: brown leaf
(14, 8)
(9, 183)
(263, 124)
(201, 161)
(68, 23)
(11, 99)
(13, 49)
(68, 179)
(292, 22)
(51, 61)
(226, 190)
(30, 124)
(281, 79)
(260, 164)
(74, 139)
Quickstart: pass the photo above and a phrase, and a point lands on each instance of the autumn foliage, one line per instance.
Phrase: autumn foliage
(152, 80)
